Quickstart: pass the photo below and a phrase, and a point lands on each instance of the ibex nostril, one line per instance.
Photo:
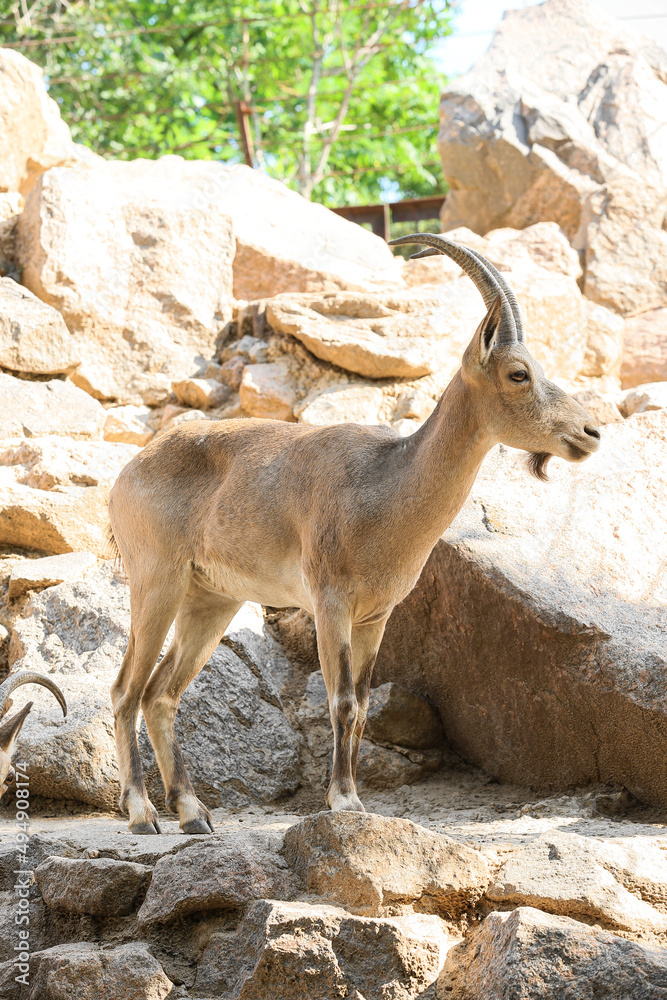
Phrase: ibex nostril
(592, 432)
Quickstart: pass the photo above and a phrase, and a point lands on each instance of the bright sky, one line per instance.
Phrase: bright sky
(477, 19)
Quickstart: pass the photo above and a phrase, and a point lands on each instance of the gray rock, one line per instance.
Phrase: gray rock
(89, 972)
(97, 886)
(213, 877)
(39, 574)
(295, 951)
(398, 715)
(368, 863)
(537, 626)
(538, 956)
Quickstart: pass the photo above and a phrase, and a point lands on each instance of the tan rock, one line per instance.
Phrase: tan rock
(141, 276)
(213, 877)
(604, 344)
(128, 424)
(33, 336)
(526, 953)
(645, 349)
(367, 863)
(35, 409)
(90, 972)
(521, 143)
(101, 887)
(38, 574)
(11, 206)
(358, 404)
(231, 373)
(643, 398)
(54, 493)
(268, 390)
(601, 410)
(549, 599)
(33, 137)
(296, 951)
(580, 877)
(413, 404)
(200, 393)
(398, 715)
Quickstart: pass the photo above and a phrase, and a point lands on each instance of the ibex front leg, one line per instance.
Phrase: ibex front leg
(347, 656)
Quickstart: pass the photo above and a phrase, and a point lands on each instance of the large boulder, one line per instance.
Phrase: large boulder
(54, 492)
(537, 626)
(141, 274)
(296, 951)
(537, 956)
(560, 120)
(236, 741)
(645, 349)
(35, 409)
(33, 337)
(33, 137)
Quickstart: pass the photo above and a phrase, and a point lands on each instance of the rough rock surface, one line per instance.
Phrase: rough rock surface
(645, 349)
(368, 863)
(33, 137)
(536, 956)
(607, 884)
(236, 742)
(54, 492)
(294, 950)
(358, 404)
(35, 409)
(644, 398)
(98, 886)
(537, 627)
(38, 574)
(398, 715)
(560, 120)
(33, 336)
(140, 274)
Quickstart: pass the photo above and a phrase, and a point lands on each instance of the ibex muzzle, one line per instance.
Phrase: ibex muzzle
(336, 520)
(11, 727)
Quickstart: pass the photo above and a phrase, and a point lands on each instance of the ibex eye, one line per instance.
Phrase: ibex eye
(519, 376)
(9, 778)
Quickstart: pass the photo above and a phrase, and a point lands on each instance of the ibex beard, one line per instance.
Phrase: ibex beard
(336, 520)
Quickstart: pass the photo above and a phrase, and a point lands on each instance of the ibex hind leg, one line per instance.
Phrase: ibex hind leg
(154, 606)
(366, 641)
(200, 624)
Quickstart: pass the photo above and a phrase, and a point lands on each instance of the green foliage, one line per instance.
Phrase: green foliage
(343, 94)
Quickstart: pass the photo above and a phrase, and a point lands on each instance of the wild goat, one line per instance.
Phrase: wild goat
(336, 520)
(11, 727)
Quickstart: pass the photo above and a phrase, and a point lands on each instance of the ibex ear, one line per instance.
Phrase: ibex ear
(10, 729)
(489, 327)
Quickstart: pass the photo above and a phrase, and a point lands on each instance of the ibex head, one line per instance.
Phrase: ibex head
(520, 407)
(11, 727)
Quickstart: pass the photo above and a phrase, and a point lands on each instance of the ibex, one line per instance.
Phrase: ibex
(336, 520)
(11, 727)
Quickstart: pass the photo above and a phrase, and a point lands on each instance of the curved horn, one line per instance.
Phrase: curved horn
(480, 270)
(29, 677)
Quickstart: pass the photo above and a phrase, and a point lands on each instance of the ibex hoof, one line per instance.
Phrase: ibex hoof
(199, 824)
(345, 803)
(143, 827)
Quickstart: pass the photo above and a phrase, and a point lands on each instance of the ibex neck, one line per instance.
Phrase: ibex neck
(444, 458)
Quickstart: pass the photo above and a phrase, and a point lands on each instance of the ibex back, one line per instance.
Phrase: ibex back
(337, 520)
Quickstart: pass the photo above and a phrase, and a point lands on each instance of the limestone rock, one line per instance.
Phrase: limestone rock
(268, 390)
(212, 877)
(128, 424)
(413, 404)
(295, 951)
(54, 492)
(538, 956)
(141, 275)
(600, 408)
(645, 349)
(581, 877)
(549, 600)
(89, 972)
(11, 205)
(559, 121)
(236, 742)
(38, 574)
(643, 398)
(604, 343)
(97, 886)
(367, 862)
(34, 409)
(383, 769)
(357, 404)
(398, 715)
(200, 393)
(33, 137)
(33, 336)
